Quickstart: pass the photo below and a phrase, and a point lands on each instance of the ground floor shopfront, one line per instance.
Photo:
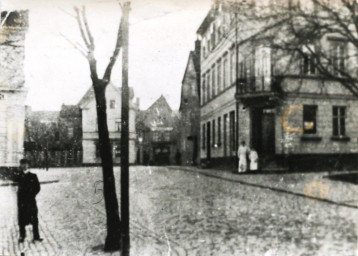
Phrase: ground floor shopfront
(294, 131)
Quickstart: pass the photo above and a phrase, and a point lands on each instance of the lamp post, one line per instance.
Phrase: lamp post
(140, 141)
(125, 236)
(237, 87)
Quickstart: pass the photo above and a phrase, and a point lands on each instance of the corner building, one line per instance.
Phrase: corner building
(287, 112)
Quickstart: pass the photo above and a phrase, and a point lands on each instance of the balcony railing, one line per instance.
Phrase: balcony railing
(258, 84)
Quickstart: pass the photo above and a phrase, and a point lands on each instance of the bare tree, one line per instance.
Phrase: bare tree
(299, 33)
(99, 85)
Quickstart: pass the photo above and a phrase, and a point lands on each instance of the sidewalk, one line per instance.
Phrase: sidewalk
(315, 186)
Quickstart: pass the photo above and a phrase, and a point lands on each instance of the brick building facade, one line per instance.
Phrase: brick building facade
(285, 111)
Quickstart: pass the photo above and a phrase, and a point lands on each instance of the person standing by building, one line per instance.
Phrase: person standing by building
(254, 158)
(242, 153)
(28, 188)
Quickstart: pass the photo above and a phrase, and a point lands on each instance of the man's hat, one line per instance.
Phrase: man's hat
(24, 161)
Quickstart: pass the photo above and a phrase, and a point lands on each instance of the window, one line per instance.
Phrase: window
(203, 92)
(70, 132)
(166, 136)
(232, 65)
(225, 73)
(118, 126)
(242, 69)
(203, 136)
(232, 131)
(337, 56)
(219, 76)
(308, 65)
(213, 35)
(225, 134)
(156, 136)
(97, 149)
(208, 87)
(213, 82)
(219, 131)
(339, 121)
(309, 119)
(112, 104)
(117, 150)
(213, 132)
(219, 34)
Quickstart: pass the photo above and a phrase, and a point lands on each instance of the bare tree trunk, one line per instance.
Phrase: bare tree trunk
(113, 238)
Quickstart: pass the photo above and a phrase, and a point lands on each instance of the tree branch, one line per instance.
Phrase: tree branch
(89, 41)
(107, 73)
(78, 18)
(89, 34)
(75, 45)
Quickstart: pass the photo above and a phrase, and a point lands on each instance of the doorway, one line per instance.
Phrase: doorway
(263, 130)
(208, 141)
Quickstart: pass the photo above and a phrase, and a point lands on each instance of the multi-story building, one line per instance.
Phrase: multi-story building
(189, 110)
(12, 90)
(90, 145)
(283, 110)
(157, 134)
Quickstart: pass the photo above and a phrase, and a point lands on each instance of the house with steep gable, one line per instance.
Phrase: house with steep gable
(90, 145)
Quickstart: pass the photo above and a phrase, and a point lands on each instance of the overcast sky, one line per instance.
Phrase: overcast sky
(162, 32)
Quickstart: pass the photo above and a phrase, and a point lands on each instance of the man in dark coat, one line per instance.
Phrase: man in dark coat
(28, 188)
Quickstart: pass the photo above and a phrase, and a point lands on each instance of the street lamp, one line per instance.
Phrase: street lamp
(140, 155)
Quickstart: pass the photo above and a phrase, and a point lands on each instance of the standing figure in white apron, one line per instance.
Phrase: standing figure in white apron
(242, 153)
(254, 158)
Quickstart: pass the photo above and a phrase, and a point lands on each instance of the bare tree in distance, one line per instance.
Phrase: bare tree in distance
(298, 31)
(112, 242)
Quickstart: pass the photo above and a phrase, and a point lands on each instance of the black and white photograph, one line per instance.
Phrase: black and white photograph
(179, 127)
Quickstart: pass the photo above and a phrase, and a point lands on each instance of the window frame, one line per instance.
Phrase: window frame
(112, 104)
(306, 118)
(219, 131)
(340, 119)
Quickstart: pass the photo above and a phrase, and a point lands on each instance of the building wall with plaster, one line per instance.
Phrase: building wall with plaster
(12, 90)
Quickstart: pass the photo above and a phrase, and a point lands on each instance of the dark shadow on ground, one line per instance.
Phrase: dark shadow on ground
(346, 177)
(41, 182)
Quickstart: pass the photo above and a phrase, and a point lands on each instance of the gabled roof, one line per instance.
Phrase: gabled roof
(190, 58)
(161, 102)
(90, 95)
(196, 64)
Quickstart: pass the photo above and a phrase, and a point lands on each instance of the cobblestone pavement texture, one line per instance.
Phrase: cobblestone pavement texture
(176, 211)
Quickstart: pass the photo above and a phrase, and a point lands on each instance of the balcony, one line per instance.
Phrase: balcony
(262, 90)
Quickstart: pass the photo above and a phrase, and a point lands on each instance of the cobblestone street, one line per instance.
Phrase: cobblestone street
(189, 212)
